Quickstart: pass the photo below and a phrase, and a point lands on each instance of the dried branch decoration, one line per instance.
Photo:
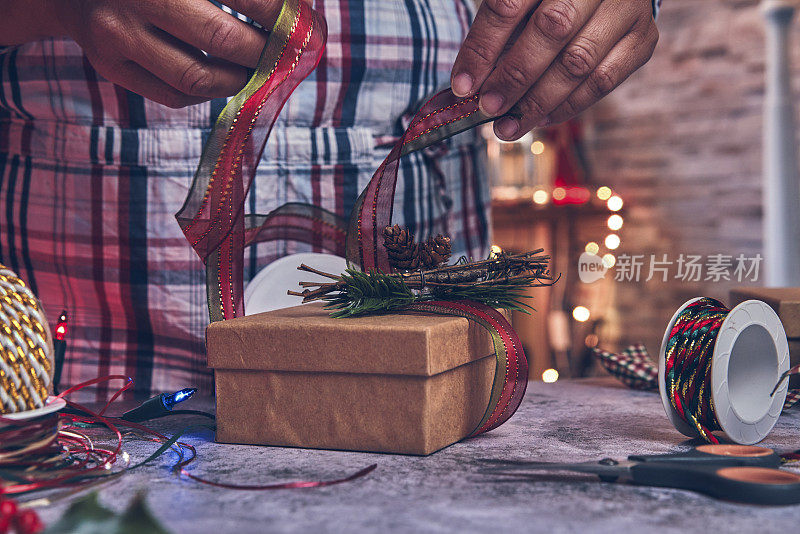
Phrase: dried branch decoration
(499, 281)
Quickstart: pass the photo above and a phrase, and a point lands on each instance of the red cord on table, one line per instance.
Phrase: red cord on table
(53, 452)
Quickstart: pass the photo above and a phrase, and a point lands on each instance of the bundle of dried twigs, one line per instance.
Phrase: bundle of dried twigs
(500, 281)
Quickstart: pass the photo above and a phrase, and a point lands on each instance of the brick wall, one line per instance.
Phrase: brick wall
(681, 142)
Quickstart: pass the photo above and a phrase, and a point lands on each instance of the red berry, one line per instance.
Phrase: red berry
(8, 509)
(28, 522)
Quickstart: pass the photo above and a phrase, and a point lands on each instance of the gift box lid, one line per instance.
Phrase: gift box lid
(306, 338)
(784, 300)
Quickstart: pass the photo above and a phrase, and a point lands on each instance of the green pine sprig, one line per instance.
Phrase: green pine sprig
(376, 292)
(368, 293)
(507, 294)
(500, 281)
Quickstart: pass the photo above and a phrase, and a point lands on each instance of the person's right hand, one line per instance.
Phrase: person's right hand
(155, 47)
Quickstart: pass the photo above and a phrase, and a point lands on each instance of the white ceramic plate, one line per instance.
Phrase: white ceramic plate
(267, 290)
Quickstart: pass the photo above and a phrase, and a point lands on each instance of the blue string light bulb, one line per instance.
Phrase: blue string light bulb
(179, 396)
(158, 406)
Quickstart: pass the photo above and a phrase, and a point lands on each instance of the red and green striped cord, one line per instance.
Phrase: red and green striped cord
(689, 352)
(688, 360)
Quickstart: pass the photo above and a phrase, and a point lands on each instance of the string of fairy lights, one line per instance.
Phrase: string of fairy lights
(611, 242)
(614, 222)
(520, 187)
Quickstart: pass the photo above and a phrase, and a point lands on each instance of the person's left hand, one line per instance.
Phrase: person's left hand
(540, 62)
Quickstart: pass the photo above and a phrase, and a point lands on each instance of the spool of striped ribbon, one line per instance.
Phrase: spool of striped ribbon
(724, 370)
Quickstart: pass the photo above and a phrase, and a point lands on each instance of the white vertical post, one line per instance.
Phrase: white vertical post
(781, 197)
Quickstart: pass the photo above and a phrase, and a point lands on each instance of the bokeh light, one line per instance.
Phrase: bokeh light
(592, 247)
(612, 241)
(537, 148)
(549, 376)
(604, 193)
(615, 222)
(540, 196)
(559, 193)
(609, 261)
(581, 314)
(615, 203)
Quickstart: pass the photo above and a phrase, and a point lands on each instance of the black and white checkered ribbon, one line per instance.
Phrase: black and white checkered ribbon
(636, 369)
(633, 367)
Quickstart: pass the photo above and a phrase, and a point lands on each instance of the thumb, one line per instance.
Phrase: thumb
(265, 12)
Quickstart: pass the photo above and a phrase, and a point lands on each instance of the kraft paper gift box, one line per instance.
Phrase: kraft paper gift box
(786, 303)
(400, 383)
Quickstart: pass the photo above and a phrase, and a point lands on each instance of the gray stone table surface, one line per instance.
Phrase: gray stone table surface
(566, 421)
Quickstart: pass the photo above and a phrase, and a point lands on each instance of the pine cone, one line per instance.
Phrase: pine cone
(403, 252)
(435, 251)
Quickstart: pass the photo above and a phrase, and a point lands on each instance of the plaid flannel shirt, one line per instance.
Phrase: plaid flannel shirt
(91, 176)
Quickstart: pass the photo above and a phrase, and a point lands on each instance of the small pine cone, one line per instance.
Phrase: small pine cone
(411, 264)
(435, 251)
(402, 251)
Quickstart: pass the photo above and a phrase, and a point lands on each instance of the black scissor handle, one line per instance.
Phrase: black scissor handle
(757, 485)
(731, 455)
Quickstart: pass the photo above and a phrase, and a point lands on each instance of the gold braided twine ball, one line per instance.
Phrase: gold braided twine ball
(26, 348)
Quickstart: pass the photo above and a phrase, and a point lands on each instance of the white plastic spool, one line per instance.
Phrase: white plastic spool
(267, 290)
(52, 404)
(750, 354)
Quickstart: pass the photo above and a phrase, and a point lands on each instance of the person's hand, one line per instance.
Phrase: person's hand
(540, 62)
(155, 47)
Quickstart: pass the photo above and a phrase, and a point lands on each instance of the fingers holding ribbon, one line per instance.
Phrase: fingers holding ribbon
(177, 53)
(633, 51)
(495, 23)
(536, 62)
(548, 30)
(216, 32)
(583, 60)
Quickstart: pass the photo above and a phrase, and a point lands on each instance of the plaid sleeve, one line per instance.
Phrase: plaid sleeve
(656, 8)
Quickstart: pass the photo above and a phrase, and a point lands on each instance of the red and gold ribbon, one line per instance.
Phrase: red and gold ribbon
(511, 373)
(213, 219)
(441, 117)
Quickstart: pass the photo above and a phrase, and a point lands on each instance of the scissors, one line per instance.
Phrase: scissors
(739, 473)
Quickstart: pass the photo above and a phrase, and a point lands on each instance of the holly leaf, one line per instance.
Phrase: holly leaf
(138, 518)
(88, 516)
